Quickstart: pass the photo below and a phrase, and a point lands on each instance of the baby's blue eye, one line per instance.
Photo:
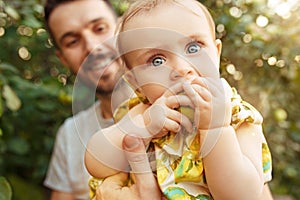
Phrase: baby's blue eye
(193, 48)
(158, 61)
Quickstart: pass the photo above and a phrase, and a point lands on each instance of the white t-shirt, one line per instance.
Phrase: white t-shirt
(67, 172)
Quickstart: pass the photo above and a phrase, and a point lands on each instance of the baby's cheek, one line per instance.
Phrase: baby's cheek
(153, 92)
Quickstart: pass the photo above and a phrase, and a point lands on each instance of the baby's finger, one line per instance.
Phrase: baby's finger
(178, 100)
(211, 84)
(192, 94)
(175, 119)
(200, 81)
(203, 92)
(175, 89)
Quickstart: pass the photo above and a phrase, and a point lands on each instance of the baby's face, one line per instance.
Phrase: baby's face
(167, 45)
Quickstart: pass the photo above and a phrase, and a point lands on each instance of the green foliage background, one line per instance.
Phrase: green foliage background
(263, 62)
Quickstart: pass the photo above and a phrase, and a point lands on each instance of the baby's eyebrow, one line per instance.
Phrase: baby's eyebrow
(146, 53)
(192, 37)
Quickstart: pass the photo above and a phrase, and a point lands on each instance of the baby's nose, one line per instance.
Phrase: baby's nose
(183, 70)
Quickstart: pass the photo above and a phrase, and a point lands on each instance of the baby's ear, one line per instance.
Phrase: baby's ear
(218, 44)
(131, 80)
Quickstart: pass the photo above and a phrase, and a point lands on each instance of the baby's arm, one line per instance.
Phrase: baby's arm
(233, 167)
(232, 159)
(104, 155)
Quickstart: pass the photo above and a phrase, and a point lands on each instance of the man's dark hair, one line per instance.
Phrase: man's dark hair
(52, 4)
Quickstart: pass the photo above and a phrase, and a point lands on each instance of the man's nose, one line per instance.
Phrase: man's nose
(92, 42)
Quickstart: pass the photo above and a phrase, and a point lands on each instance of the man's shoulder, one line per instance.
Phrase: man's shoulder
(81, 123)
(88, 113)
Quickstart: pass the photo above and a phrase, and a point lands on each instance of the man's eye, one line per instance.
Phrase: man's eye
(71, 43)
(193, 48)
(158, 61)
(101, 28)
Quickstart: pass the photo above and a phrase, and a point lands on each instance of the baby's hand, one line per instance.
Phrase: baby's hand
(211, 101)
(161, 117)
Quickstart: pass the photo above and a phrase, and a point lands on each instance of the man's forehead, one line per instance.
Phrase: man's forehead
(75, 15)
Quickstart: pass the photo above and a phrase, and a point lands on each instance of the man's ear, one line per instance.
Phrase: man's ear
(218, 44)
(61, 57)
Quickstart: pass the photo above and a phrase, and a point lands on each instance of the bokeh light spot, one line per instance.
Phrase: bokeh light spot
(259, 62)
(2, 31)
(235, 12)
(24, 53)
(220, 28)
(247, 38)
(272, 61)
(25, 30)
(262, 21)
(280, 63)
(230, 69)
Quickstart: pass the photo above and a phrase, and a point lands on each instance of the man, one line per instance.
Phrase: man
(78, 28)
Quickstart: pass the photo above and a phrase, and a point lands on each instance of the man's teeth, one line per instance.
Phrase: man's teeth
(103, 63)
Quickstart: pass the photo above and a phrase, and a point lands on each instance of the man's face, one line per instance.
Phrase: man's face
(79, 28)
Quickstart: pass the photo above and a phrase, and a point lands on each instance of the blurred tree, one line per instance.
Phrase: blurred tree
(34, 97)
(261, 57)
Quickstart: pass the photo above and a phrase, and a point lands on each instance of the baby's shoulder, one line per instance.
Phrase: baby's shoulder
(243, 111)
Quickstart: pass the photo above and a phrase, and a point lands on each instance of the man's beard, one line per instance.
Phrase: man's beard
(108, 90)
(103, 92)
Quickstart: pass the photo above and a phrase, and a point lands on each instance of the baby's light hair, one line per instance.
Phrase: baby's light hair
(138, 6)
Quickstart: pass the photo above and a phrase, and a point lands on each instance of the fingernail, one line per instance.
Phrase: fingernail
(131, 142)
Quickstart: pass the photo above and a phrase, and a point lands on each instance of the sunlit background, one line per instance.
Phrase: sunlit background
(261, 57)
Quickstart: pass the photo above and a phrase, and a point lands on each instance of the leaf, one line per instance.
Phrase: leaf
(25, 189)
(5, 189)
(1, 106)
(12, 12)
(32, 22)
(18, 146)
(8, 67)
(12, 100)
(295, 136)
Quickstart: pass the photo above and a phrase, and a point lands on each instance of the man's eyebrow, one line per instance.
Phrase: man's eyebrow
(65, 35)
(70, 33)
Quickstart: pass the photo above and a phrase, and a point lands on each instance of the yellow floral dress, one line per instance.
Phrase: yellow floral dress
(179, 167)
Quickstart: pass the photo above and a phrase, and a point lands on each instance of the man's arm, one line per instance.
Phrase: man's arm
(57, 174)
(58, 195)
